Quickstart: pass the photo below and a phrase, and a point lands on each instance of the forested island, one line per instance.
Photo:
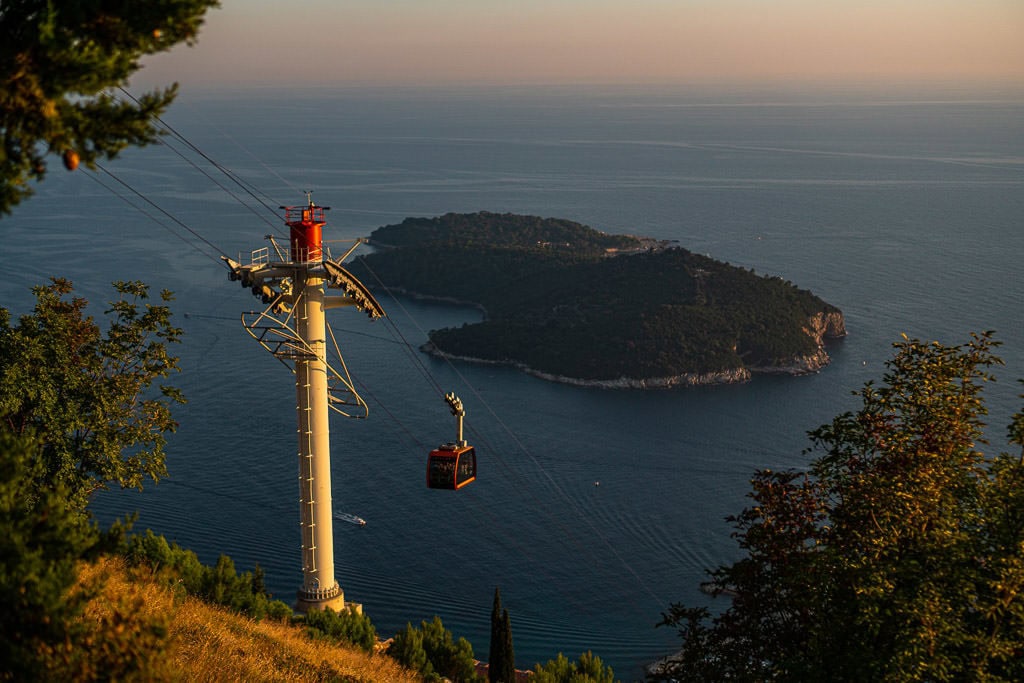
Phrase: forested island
(569, 303)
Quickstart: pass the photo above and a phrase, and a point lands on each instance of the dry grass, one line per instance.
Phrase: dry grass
(207, 643)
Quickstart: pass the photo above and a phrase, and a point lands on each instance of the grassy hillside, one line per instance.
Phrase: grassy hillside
(211, 643)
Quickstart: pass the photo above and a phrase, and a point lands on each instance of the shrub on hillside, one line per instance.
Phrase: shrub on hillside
(347, 626)
(588, 669)
(220, 584)
(431, 651)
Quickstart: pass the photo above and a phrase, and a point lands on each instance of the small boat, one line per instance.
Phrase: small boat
(350, 518)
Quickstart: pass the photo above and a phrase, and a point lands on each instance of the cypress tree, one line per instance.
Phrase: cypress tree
(493, 653)
(501, 667)
(508, 662)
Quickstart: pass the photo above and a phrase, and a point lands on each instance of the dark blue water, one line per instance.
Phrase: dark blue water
(902, 208)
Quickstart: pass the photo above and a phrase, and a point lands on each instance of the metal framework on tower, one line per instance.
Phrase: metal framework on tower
(295, 285)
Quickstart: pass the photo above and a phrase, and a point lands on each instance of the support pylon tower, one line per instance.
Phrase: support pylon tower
(293, 327)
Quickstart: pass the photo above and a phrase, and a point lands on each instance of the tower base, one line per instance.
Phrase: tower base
(333, 598)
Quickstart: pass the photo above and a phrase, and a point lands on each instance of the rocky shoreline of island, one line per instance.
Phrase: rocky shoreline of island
(822, 326)
(689, 379)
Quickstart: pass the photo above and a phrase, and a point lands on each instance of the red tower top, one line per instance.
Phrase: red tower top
(306, 223)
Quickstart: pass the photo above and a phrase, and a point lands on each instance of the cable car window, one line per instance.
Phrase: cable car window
(441, 470)
(466, 468)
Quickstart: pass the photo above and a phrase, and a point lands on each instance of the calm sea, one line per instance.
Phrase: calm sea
(595, 509)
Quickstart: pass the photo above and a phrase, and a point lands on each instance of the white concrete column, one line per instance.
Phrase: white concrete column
(319, 586)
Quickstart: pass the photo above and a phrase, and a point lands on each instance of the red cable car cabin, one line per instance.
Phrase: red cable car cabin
(451, 466)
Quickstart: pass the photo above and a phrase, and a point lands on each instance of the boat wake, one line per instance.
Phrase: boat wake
(350, 518)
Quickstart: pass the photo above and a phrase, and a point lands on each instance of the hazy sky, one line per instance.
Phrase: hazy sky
(599, 41)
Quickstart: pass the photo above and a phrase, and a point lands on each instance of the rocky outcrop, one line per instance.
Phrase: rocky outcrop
(665, 667)
(820, 327)
(690, 379)
(800, 365)
(830, 325)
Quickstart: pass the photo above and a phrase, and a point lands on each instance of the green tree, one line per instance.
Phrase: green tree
(501, 662)
(43, 635)
(87, 393)
(348, 626)
(898, 557)
(40, 545)
(221, 584)
(58, 61)
(588, 669)
(431, 651)
(407, 649)
(510, 655)
(451, 658)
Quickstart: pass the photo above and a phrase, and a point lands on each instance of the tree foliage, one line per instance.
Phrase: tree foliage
(40, 545)
(431, 651)
(220, 584)
(73, 417)
(898, 557)
(406, 647)
(346, 626)
(58, 61)
(486, 229)
(44, 633)
(587, 669)
(501, 658)
(88, 393)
